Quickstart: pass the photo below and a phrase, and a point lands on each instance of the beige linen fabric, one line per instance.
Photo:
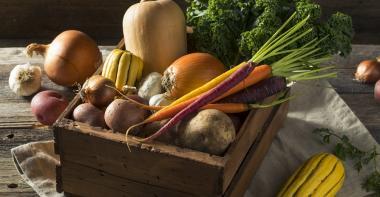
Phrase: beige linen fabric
(314, 107)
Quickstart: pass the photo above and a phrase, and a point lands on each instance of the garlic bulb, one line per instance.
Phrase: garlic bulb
(159, 100)
(150, 86)
(25, 79)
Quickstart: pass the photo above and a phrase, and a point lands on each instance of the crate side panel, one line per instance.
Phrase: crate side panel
(247, 135)
(99, 179)
(145, 166)
(256, 154)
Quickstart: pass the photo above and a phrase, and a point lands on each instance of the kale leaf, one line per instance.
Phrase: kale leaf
(233, 30)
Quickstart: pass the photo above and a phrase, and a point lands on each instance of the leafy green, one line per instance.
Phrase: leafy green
(234, 30)
(344, 149)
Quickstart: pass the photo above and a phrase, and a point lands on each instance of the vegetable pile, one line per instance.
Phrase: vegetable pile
(242, 52)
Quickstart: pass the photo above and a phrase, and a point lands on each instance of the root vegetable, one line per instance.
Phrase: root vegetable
(121, 114)
(88, 113)
(25, 79)
(98, 91)
(257, 92)
(209, 131)
(205, 98)
(47, 106)
(71, 58)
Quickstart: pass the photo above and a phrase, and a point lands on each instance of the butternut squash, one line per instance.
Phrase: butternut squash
(321, 175)
(155, 31)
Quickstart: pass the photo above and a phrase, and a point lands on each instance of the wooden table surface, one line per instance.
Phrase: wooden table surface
(18, 126)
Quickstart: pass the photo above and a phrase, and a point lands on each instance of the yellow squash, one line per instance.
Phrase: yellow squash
(321, 175)
(123, 68)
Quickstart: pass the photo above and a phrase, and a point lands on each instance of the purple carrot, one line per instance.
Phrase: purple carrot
(238, 76)
(257, 92)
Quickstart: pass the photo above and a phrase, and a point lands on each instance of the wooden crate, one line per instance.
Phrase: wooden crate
(97, 162)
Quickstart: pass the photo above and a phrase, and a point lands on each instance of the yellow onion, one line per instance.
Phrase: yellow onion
(190, 72)
(71, 58)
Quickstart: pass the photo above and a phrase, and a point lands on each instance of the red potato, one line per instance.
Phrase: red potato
(47, 106)
(88, 113)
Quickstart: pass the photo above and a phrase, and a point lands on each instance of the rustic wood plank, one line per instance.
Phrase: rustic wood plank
(346, 84)
(16, 112)
(10, 138)
(44, 19)
(19, 194)
(365, 107)
(358, 54)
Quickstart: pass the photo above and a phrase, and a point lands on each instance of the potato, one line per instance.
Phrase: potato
(208, 131)
(121, 114)
(47, 106)
(88, 113)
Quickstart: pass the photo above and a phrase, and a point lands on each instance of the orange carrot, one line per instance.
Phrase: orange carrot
(258, 74)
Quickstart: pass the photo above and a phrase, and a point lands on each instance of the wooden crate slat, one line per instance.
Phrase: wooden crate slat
(256, 154)
(100, 181)
(141, 165)
(245, 138)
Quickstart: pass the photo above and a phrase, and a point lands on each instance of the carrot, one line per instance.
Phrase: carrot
(235, 103)
(257, 92)
(258, 74)
(206, 98)
(209, 85)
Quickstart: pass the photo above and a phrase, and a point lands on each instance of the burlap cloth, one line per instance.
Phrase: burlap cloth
(313, 107)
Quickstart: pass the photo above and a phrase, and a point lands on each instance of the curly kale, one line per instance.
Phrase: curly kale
(234, 30)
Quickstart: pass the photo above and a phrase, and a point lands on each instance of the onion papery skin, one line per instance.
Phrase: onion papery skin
(190, 72)
(70, 58)
(99, 91)
(368, 71)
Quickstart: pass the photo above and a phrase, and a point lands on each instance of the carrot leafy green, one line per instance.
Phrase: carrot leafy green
(234, 30)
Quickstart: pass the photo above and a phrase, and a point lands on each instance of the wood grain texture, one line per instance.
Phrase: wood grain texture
(10, 138)
(44, 19)
(257, 152)
(104, 183)
(146, 163)
(244, 139)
